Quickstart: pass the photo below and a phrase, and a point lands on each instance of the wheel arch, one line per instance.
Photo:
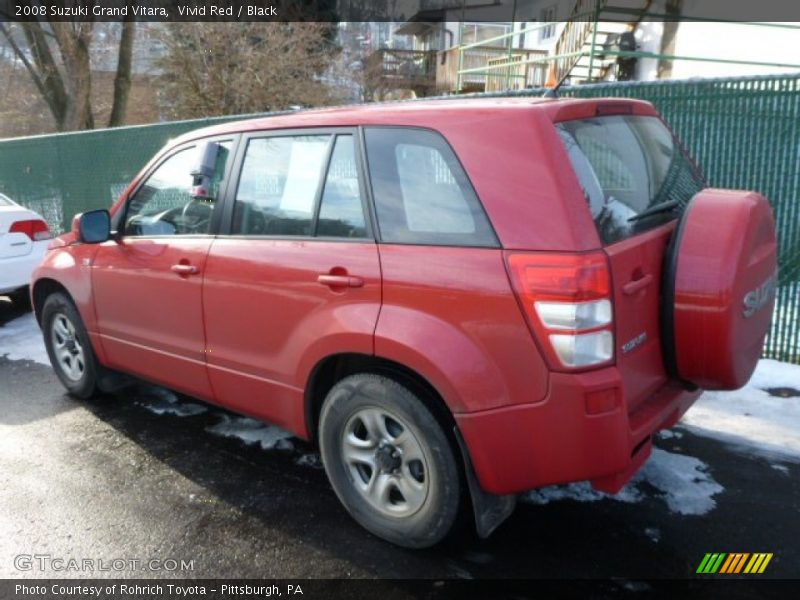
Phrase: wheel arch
(328, 371)
(42, 288)
(488, 511)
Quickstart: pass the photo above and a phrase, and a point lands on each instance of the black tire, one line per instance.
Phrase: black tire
(81, 381)
(411, 522)
(21, 298)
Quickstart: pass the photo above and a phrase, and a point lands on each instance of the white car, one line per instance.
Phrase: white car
(24, 239)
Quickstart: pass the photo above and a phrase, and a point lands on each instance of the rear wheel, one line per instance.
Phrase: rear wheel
(389, 461)
(68, 346)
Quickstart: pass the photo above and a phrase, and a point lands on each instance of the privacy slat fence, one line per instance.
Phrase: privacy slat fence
(744, 131)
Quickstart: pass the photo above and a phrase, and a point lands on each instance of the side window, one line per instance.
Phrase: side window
(166, 203)
(422, 195)
(278, 185)
(341, 211)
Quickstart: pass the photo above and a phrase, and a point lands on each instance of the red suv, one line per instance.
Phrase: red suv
(457, 300)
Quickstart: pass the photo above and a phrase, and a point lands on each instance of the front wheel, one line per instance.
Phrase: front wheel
(68, 346)
(389, 461)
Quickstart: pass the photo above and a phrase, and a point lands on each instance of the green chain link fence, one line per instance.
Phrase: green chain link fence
(745, 132)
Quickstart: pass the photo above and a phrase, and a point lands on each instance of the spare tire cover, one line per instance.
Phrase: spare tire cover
(719, 289)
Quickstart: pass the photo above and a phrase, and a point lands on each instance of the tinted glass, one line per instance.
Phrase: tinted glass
(422, 195)
(627, 165)
(95, 226)
(341, 211)
(278, 185)
(164, 204)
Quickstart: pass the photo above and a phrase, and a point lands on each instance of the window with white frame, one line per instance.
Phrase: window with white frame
(548, 19)
(479, 32)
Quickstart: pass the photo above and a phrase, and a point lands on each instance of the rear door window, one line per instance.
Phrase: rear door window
(422, 195)
(341, 208)
(628, 165)
(278, 185)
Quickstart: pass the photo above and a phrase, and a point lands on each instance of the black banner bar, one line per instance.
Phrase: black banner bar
(335, 589)
(388, 10)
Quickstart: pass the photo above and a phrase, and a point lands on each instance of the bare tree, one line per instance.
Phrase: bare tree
(122, 82)
(211, 69)
(57, 57)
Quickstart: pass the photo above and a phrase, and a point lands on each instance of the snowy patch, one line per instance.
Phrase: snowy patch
(782, 468)
(163, 402)
(669, 434)
(751, 418)
(772, 373)
(653, 533)
(580, 492)
(250, 431)
(682, 482)
(312, 460)
(21, 339)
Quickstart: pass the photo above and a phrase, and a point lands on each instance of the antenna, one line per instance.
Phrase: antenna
(552, 84)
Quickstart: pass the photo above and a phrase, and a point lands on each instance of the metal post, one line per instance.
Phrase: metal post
(460, 55)
(508, 58)
(594, 38)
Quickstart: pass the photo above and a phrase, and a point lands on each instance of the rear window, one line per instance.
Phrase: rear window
(628, 165)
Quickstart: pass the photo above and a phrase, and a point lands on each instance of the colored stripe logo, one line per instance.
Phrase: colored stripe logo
(734, 563)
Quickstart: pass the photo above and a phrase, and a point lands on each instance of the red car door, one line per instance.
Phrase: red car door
(147, 283)
(296, 279)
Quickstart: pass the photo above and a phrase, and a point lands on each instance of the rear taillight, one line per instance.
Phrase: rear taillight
(36, 229)
(567, 301)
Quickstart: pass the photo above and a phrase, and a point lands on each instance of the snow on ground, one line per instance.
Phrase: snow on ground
(653, 533)
(751, 418)
(163, 402)
(682, 482)
(21, 339)
(251, 431)
(311, 459)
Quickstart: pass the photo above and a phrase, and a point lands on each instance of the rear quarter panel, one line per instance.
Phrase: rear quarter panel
(521, 173)
(450, 315)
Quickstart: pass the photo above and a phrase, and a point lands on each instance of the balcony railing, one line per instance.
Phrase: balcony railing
(465, 70)
(580, 54)
(403, 68)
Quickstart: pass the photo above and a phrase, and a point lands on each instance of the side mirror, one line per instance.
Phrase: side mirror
(94, 226)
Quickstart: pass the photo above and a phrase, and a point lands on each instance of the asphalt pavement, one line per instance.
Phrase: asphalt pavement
(110, 479)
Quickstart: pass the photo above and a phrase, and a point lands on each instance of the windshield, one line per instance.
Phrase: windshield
(627, 165)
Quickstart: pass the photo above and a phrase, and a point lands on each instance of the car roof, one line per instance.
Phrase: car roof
(434, 113)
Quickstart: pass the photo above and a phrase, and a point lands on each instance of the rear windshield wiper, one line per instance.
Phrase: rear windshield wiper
(655, 210)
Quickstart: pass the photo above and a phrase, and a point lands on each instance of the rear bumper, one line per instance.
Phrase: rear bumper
(581, 431)
(16, 272)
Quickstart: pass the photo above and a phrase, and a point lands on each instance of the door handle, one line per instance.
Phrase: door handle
(630, 288)
(182, 269)
(340, 281)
